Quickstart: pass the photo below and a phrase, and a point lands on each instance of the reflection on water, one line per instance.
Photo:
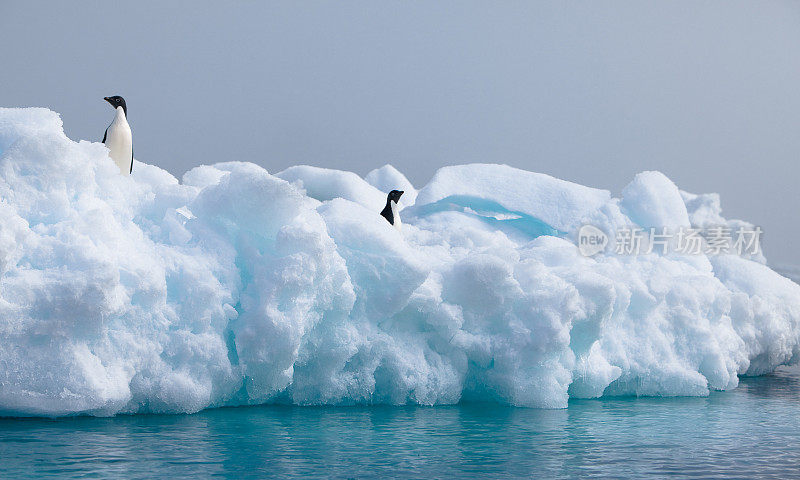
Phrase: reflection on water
(753, 431)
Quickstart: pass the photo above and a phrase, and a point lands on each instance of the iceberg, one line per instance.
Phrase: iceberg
(235, 286)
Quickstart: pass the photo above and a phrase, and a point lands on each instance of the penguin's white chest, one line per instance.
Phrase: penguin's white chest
(398, 224)
(120, 142)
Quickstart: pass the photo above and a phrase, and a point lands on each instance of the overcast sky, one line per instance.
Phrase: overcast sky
(592, 92)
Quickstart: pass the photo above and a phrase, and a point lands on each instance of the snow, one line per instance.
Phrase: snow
(326, 184)
(558, 203)
(388, 178)
(236, 286)
(651, 200)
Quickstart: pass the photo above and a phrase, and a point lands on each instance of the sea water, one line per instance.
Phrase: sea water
(750, 432)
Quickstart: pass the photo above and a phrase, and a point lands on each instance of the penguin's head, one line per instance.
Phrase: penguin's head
(394, 196)
(117, 101)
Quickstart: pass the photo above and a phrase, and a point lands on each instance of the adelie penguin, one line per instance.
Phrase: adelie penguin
(118, 136)
(391, 211)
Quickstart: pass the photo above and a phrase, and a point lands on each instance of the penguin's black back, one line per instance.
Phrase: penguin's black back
(387, 212)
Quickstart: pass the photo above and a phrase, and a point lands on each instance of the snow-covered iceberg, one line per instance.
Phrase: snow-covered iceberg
(236, 286)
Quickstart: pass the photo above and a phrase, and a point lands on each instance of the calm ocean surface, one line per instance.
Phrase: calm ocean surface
(750, 432)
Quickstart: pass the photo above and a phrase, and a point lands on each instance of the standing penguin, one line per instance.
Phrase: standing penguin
(118, 136)
(391, 212)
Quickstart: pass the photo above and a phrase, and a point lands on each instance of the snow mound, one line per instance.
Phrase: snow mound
(388, 178)
(142, 293)
(558, 203)
(651, 200)
(327, 184)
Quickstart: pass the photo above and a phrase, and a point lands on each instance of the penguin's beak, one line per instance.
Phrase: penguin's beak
(401, 192)
(107, 99)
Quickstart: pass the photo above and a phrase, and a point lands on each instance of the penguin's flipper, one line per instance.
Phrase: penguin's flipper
(387, 214)
(131, 161)
(104, 135)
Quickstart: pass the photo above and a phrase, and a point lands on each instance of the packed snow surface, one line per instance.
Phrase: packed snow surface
(235, 286)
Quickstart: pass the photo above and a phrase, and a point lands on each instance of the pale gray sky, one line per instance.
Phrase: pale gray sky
(706, 91)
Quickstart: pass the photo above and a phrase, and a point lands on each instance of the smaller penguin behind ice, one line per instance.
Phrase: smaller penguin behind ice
(391, 212)
(118, 136)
